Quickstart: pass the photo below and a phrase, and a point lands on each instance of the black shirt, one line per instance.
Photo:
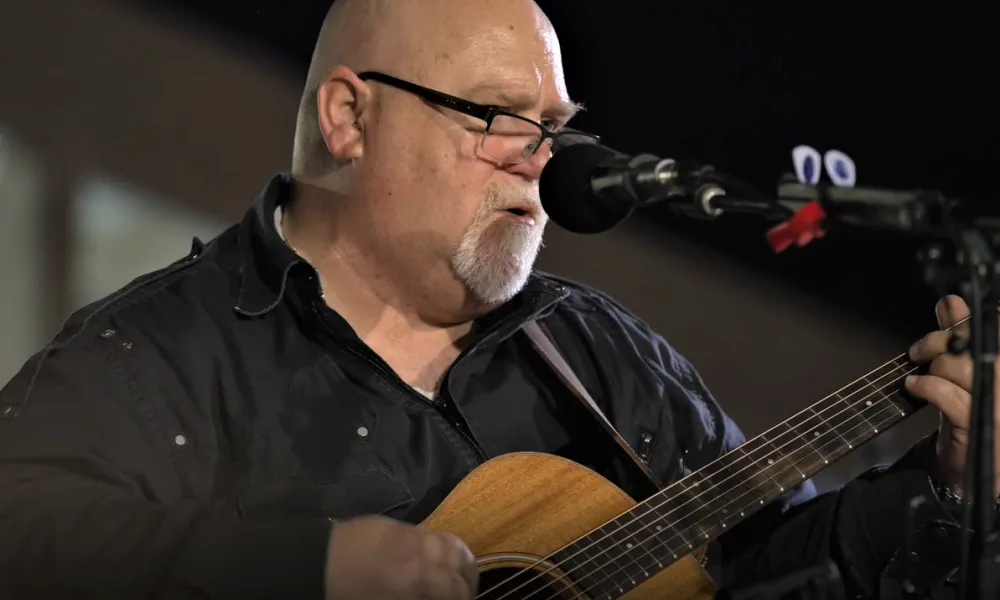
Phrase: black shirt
(195, 434)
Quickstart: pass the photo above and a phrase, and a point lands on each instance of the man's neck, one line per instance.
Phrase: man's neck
(387, 310)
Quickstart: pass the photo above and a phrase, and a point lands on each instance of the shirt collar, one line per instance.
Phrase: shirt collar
(266, 262)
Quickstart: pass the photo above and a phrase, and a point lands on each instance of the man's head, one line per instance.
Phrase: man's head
(413, 176)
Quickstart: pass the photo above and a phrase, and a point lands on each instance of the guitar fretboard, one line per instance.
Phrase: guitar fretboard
(617, 557)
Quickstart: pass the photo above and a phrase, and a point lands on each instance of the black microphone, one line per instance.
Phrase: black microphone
(589, 188)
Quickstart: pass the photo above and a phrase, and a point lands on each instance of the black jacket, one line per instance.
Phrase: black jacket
(194, 434)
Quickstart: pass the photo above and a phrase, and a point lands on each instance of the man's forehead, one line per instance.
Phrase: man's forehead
(515, 67)
(521, 93)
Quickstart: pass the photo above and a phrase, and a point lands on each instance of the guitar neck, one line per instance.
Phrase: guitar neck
(705, 504)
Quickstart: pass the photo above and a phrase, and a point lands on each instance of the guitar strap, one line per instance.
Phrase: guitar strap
(545, 346)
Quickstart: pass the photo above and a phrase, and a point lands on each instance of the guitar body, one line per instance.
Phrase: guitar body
(518, 508)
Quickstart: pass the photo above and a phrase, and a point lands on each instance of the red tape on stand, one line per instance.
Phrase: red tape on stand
(801, 229)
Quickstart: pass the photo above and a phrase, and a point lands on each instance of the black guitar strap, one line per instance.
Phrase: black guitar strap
(545, 346)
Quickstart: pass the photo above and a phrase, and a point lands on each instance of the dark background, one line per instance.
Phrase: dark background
(906, 91)
(128, 126)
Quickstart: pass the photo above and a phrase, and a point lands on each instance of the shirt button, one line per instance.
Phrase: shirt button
(180, 440)
(363, 431)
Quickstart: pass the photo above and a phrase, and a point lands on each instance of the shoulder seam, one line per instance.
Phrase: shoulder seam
(111, 300)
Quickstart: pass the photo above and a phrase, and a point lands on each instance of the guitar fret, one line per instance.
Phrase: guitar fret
(679, 510)
(659, 521)
(729, 492)
(800, 442)
(789, 452)
(876, 390)
(581, 565)
(854, 425)
(812, 430)
(639, 556)
(702, 493)
(758, 454)
(633, 548)
(827, 436)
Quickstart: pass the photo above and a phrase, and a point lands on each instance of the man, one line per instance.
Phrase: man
(354, 347)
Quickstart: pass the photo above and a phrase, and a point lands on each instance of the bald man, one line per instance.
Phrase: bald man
(269, 417)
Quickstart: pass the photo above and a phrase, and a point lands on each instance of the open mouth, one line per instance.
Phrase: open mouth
(521, 214)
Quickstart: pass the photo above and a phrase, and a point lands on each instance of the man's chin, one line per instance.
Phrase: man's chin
(496, 283)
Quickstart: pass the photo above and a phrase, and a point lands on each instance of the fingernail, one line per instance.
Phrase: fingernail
(910, 379)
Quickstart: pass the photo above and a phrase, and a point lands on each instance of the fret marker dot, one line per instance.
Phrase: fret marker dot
(826, 462)
(850, 446)
(816, 434)
(770, 461)
(742, 514)
(869, 403)
(659, 527)
(628, 545)
(781, 488)
(875, 429)
(762, 503)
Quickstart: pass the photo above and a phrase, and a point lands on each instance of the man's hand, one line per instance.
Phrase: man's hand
(948, 386)
(375, 558)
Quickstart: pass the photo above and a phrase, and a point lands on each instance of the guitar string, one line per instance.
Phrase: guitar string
(746, 455)
(630, 535)
(655, 535)
(891, 363)
(659, 518)
(896, 368)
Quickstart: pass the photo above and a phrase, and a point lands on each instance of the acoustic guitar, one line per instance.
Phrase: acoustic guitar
(545, 528)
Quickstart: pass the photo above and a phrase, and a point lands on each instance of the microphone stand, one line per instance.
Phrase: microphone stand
(968, 263)
(974, 267)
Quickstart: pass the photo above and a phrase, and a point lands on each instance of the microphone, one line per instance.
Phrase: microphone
(589, 188)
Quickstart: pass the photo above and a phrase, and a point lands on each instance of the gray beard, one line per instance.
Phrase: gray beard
(495, 260)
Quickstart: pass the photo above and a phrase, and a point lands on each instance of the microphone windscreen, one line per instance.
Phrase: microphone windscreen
(567, 195)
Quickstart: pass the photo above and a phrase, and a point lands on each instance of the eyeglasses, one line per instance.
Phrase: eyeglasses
(508, 139)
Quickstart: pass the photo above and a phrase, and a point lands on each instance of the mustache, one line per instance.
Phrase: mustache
(502, 196)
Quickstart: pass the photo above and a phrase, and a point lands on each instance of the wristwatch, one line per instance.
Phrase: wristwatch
(952, 500)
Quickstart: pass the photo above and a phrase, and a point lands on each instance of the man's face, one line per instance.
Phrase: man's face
(445, 200)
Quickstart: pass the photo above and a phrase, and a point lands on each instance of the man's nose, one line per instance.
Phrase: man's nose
(531, 168)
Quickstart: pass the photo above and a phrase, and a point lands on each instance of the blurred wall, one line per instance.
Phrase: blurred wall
(123, 134)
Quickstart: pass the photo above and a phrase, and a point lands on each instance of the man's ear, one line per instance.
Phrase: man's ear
(341, 102)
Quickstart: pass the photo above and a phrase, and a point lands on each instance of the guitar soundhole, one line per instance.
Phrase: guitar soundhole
(519, 584)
